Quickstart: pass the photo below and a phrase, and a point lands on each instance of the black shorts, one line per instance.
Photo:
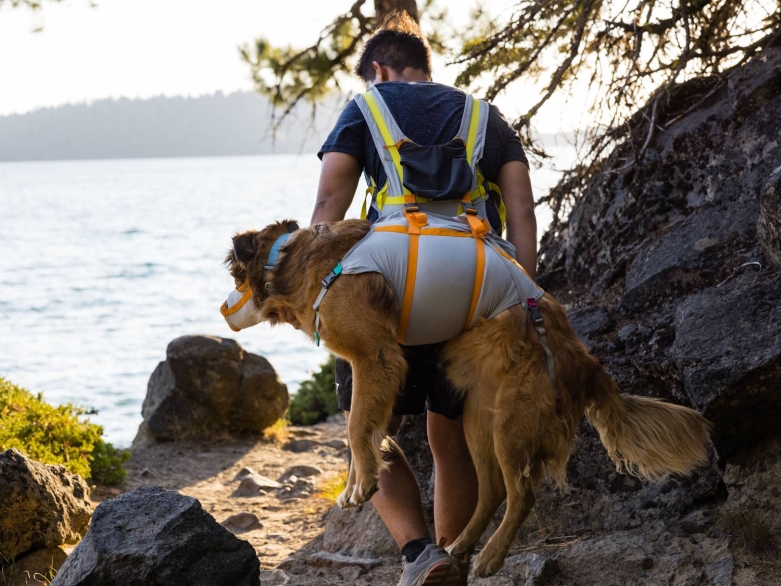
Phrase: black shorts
(425, 388)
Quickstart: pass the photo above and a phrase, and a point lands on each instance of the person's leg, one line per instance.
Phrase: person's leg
(455, 479)
(398, 500)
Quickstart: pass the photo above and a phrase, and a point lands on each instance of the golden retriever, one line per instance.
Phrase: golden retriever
(514, 432)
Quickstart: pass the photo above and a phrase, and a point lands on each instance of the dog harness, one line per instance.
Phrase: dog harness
(442, 179)
(444, 272)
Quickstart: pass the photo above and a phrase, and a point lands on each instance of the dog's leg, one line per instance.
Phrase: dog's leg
(518, 432)
(478, 427)
(375, 384)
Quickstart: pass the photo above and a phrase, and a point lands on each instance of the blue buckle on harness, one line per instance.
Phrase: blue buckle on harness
(331, 277)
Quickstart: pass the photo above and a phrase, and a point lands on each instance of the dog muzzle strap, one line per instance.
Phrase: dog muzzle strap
(239, 310)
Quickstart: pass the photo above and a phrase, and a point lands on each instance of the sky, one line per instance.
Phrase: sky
(142, 48)
(145, 48)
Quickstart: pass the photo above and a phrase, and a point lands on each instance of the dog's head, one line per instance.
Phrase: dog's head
(247, 263)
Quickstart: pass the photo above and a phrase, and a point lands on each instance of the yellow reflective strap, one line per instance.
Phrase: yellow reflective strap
(473, 123)
(386, 136)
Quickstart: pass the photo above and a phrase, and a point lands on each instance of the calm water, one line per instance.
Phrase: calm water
(102, 263)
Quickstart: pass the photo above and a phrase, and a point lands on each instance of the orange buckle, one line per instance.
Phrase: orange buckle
(411, 208)
(470, 211)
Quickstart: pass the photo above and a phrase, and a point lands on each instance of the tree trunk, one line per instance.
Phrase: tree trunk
(383, 7)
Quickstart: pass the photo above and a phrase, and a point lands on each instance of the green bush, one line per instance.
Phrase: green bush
(57, 435)
(316, 398)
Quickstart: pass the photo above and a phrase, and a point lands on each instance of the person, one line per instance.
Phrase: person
(396, 62)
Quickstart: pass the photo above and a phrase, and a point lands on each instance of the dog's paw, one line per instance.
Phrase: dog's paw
(458, 549)
(488, 563)
(358, 491)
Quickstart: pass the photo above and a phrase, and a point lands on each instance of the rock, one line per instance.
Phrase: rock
(728, 346)
(769, 224)
(301, 471)
(590, 321)
(154, 537)
(207, 387)
(351, 573)
(337, 444)
(720, 571)
(36, 568)
(242, 522)
(243, 473)
(252, 485)
(274, 578)
(648, 555)
(40, 506)
(537, 570)
(683, 258)
(322, 559)
(298, 446)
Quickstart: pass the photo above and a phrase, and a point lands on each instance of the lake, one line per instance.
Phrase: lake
(103, 263)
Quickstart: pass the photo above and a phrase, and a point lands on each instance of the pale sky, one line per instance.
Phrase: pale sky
(144, 48)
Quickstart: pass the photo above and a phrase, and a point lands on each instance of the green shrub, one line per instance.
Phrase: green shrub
(316, 398)
(57, 435)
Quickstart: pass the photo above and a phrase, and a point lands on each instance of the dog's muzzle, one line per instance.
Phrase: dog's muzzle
(239, 310)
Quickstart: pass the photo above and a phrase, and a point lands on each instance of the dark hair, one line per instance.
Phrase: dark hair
(397, 43)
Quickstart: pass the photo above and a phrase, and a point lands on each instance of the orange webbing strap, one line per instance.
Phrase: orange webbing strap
(479, 275)
(415, 220)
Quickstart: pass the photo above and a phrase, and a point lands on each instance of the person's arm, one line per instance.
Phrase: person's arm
(515, 183)
(339, 177)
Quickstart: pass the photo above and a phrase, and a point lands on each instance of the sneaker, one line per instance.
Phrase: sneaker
(433, 566)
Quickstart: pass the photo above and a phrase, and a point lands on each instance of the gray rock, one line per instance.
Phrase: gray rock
(337, 444)
(648, 555)
(275, 577)
(154, 537)
(683, 258)
(728, 345)
(244, 472)
(769, 224)
(252, 485)
(207, 387)
(590, 321)
(300, 471)
(720, 571)
(537, 570)
(298, 446)
(40, 506)
(242, 522)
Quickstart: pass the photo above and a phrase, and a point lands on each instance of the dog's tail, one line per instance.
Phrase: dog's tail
(646, 437)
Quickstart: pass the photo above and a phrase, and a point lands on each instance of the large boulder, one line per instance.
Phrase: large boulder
(728, 347)
(209, 387)
(155, 537)
(41, 506)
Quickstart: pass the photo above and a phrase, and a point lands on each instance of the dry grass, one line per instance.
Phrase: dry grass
(749, 531)
(278, 432)
(332, 488)
(10, 576)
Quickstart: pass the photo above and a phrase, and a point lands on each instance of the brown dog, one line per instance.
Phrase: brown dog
(513, 430)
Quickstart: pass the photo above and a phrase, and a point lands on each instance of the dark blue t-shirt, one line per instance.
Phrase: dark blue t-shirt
(429, 114)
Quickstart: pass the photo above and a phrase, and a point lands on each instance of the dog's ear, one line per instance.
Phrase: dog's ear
(292, 225)
(244, 247)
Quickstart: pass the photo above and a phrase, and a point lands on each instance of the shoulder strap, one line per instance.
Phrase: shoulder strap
(387, 137)
(472, 131)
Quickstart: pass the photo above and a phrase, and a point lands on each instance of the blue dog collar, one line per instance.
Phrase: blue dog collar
(274, 254)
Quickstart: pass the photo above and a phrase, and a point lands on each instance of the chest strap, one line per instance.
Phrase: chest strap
(326, 283)
(537, 320)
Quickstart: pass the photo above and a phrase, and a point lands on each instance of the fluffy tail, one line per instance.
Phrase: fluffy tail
(647, 437)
